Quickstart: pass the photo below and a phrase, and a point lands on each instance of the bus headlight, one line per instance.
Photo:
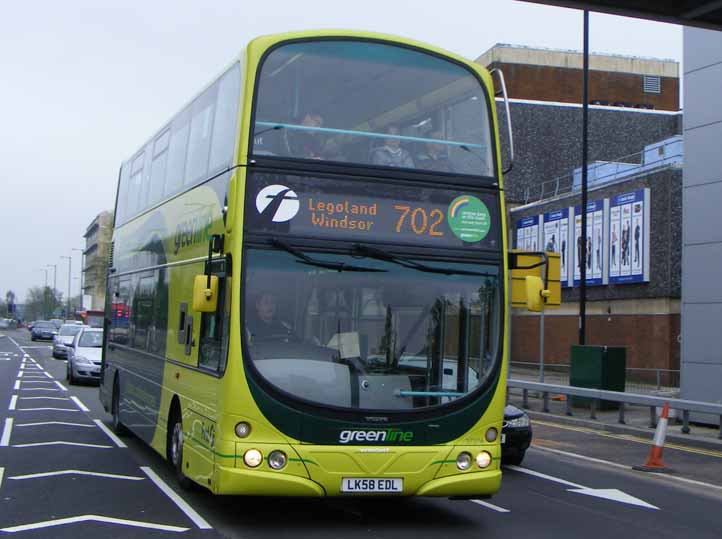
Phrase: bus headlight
(277, 460)
(491, 434)
(463, 461)
(243, 429)
(253, 458)
(483, 459)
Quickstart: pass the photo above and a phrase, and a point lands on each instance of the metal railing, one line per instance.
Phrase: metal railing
(638, 380)
(602, 173)
(597, 395)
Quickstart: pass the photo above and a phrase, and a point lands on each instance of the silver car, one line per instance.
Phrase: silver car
(64, 339)
(85, 355)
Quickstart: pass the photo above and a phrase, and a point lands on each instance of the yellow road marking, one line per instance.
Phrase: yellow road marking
(632, 438)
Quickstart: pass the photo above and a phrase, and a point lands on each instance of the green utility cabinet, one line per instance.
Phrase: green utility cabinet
(598, 367)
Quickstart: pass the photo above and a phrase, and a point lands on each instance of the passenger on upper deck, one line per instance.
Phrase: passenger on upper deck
(435, 157)
(303, 143)
(391, 154)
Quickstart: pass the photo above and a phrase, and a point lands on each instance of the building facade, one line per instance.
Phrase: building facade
(96, 253)
(702, 225)
(614, 80)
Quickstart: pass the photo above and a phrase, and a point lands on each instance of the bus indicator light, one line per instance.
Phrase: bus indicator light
(243, 429)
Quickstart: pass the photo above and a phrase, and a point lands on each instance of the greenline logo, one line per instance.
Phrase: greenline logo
(385, 435)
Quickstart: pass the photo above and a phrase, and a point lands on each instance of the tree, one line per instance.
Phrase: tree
(41, 302)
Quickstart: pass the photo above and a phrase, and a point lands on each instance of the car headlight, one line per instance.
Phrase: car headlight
(82, 360)
(518, 422)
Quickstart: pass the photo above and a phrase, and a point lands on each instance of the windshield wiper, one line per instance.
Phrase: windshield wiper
(303, 258)
(373, 252)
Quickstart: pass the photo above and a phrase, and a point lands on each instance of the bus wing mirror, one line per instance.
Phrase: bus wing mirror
(205, 293)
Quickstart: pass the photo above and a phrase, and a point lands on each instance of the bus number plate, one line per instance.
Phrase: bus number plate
(372, 484)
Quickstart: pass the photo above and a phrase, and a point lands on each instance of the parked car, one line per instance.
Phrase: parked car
(43, 329)
(84, 356)
(57, 322)
(31, 324)
(515, 435)
(4, 323)
(64, 338)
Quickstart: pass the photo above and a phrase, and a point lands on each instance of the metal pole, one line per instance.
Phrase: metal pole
(541, 347)
(70, 273)
(82, 266)
(585, 158)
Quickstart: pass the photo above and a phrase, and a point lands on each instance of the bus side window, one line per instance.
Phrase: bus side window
(212, 335)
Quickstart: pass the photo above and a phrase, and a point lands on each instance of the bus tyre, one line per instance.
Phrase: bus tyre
(117, 425)
(175, 451)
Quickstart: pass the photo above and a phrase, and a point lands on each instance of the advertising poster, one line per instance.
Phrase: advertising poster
(629, 237)
(556, 239)
(527, 234)
(594, 243)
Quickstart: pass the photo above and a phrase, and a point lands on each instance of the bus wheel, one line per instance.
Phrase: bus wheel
(117, 425)
(175, 450)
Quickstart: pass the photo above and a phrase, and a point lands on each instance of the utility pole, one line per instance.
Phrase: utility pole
(585, 158)
(45, 294)
(70, 271)
(82, 273)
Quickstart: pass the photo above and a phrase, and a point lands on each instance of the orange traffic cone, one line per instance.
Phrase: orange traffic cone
(654, 459)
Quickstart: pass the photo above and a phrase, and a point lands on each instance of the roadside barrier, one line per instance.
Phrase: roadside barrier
(654, 459)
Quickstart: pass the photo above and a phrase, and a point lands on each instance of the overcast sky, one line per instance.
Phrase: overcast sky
(84, 84)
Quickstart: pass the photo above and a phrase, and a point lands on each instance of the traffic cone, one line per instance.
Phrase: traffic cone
(654, 459)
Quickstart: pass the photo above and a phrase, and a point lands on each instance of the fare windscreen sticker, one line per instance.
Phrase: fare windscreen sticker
(363, 211)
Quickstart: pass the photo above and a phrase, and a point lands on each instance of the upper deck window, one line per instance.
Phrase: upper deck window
(372, 104)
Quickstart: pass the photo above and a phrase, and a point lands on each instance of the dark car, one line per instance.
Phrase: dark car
(515, 435)
(43, 330)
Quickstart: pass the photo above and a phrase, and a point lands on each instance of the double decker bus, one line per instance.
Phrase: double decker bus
(312, 254)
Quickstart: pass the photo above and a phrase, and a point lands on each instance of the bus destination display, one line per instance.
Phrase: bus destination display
(359, 211)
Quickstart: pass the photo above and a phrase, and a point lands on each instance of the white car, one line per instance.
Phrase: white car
(64, 339)
(85, 356)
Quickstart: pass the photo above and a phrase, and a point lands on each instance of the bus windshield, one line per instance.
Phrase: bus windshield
(371, 103)
(371, 333)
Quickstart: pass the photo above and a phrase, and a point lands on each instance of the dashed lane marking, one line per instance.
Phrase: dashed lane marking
(92, 518)
(61, 386)
(80, 404)
(117, 441)
(17, 385)
(13, 402)
(490, 506)
(48, 374)
(2, 472)
(180, 502)
(76, 472)
(39, 423)
(77, 444)
(7, 430)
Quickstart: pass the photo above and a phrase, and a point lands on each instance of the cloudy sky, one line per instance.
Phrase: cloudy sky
(84, 83)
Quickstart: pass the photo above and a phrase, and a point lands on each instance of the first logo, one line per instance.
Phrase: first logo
(277, 202)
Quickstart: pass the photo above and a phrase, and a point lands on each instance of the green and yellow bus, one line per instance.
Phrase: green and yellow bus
(308, 286)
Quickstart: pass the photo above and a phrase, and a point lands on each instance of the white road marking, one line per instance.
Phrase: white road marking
(82, 406)
(39, 389)
(604, 493)
(38, 382)
(489, 506)
(45, 398)
(7, 430)
(61, 386)
(624, 467)
(22, 366)
(17, 385)
(47, 409)
(2, 472)
(34, 346)
(13, 402)
(20, 374)
(180, 502)
(38, 444)
(77, 472)
(117, 441)
(39, 423)
(92, 518)
(48, 374)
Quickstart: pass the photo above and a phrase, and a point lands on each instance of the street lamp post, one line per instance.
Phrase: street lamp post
(82, 268)
(70, 271)
(45, 294)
